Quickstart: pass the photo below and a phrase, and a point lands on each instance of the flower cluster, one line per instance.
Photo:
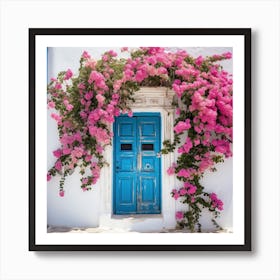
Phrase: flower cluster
(85, 106)
(215, 202)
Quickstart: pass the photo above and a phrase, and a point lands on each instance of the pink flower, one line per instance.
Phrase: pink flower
(81, 86)
(68, 74)
(227, 55)
(51, 104)
(58, 86)
(95, 77)
(187, 173)
(198, 128)
(161, 70)
(85, 55)
(197, 157)
(170, 170)
(69, 107)
(199, 60)
(105, 57)
(175, 194)
(77, 137)
(78, 152)
(179, 215)
(99, 149)
(216, 56)
(186, 73)
(49, 177)
(110, 108)
(186, 147)
(91, 63)
(215, 202)
(85, 181)
(222, 146)
(128, 74)
(56, 117)
(221, 149)
(178, 111)
(95, 115)
(151, 60)
(214, 71)
(124, 49)
(66, 139)
(88, 158)
(115, 97)
(100, 98)
(100, 134)
(95, 170)
(184, 173)
(83, 115)
(89, 95)
(141, 75)
(213, 196)
(117, 112)
(130, 114)
(117, 85)
(220, 205)
(183, 191)
(108, 117)
(67, 151)
(179, 88)
(61, 193)
(191, 189)
(57, 153)
(182, 126)
(112, 53)
(58, 165)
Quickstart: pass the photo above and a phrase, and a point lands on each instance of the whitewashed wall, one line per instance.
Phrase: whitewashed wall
(82, 209)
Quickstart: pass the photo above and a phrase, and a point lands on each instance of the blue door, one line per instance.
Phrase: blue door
(137, 164)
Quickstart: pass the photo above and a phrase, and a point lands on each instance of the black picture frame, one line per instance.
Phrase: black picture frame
(246, 33)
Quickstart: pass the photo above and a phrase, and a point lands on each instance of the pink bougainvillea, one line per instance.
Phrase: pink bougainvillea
(179, 215)
(85, 105)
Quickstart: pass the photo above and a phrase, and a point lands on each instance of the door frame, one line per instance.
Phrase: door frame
(152, 100)
(136, 114)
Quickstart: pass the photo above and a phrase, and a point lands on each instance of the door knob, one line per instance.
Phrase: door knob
(118, 165)
(159, 155)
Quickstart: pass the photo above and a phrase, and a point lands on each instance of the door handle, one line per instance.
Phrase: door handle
(118, 166)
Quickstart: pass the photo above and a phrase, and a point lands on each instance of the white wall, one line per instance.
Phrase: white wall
(78, 208)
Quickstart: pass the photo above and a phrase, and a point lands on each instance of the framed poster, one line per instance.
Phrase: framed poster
(144, 136)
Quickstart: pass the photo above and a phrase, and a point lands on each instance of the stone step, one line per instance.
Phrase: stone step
(139, 223)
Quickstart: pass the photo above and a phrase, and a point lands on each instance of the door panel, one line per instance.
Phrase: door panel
(126, 190)
(125, 165)
(137, 167)
(148, 185)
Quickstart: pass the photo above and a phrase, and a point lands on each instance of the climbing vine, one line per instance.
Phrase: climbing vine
(85, 106)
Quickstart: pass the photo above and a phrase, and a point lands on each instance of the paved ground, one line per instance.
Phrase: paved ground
(52, 229)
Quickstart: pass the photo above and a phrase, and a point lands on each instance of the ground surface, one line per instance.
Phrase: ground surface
(52, 229)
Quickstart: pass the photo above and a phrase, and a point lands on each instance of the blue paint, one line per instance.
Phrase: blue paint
(136, 168)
